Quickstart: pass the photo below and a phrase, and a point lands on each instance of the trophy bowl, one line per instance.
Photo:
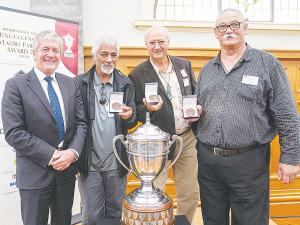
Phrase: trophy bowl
(147, 150)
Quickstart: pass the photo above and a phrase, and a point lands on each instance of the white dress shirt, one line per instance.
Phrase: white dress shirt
(41, 77)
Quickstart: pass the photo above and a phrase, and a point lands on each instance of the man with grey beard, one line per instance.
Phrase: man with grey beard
(246, 100)
(102, 180)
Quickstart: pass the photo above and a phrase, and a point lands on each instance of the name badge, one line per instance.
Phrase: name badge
(183, 73)
(186, 82)
(250, 80)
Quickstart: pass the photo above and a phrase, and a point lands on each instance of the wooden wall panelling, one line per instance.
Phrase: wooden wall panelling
(284, 199)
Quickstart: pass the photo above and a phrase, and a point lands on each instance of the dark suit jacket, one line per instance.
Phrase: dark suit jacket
(145, 73)
(30, 128)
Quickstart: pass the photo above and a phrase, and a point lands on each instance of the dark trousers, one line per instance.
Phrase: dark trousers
(238, 182)
(58, 195)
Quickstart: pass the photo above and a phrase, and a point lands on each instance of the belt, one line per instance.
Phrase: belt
(227, 152)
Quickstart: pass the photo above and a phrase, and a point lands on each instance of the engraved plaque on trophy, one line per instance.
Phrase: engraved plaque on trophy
(147, 151)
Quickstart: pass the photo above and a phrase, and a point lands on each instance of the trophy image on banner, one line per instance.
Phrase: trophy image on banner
(69, 41)
(147, 151)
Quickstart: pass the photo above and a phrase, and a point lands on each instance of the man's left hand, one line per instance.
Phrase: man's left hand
(287, 172)
(64, 161)
(127, 112)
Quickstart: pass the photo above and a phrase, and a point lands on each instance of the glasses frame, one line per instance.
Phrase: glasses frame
(217, 27)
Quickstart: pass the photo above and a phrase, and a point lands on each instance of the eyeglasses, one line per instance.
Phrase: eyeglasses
(160, 42)
(102, 100)
(233, 26)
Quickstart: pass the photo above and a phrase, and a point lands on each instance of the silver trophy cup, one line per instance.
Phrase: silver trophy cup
(147, 151)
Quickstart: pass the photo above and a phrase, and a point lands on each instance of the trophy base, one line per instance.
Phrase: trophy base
(135, 215)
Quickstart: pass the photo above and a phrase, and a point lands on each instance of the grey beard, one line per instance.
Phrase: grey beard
(107, 71)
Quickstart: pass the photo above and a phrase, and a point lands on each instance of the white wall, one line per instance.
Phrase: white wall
(23, 5)
(117, 16)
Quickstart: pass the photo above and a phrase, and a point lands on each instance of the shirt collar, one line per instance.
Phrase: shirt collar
(246, 56)
(98, 81)
(159, 71)
(41, 76)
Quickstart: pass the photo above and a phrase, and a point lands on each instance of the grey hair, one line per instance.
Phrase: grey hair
(153, 27)
(47, 35)
(241, 15)
(106, 39)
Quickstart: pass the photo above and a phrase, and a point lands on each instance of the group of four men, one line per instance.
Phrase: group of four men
(58, 124)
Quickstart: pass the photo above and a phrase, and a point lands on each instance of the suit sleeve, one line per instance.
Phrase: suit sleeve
(15, 131)
(80, 123)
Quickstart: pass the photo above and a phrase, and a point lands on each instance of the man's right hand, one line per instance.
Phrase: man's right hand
(152, 108)
(64, 160)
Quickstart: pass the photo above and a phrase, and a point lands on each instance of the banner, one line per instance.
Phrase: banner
(17, 30)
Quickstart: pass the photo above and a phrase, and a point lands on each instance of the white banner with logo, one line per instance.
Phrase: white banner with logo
(17, 30)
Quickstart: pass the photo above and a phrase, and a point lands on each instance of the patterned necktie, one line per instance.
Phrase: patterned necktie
(54, 102)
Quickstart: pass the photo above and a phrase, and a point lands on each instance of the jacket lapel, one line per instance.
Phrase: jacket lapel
(64, 93)
(37, 88)
(178, 74)
(150, 70)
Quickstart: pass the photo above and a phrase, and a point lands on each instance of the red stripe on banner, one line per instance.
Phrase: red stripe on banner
(69, 33)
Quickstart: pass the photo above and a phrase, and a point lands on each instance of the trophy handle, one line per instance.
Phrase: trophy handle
(121, 137)
(174, 137)
(74, 41)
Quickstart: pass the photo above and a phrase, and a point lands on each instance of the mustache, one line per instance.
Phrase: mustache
(230, 36)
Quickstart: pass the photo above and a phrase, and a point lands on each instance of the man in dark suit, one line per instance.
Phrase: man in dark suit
(175, 79)
(43, 119)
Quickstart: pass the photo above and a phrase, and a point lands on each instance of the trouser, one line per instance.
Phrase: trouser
(101, 195)
(58, 195)
(238, 182)
(185, 172)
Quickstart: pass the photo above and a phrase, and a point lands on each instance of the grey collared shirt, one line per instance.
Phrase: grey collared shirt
(250, 105)
(103, 130)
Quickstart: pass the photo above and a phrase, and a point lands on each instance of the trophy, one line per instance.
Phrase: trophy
(147, 151)
(69, 42)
